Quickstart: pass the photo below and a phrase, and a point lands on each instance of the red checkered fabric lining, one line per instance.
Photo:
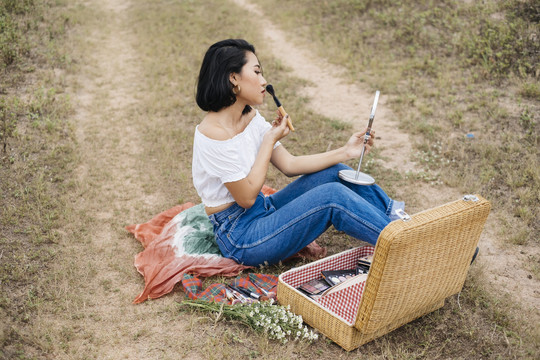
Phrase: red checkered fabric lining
(343, 303)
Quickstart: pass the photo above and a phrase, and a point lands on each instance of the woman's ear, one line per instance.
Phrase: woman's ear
(233, 78)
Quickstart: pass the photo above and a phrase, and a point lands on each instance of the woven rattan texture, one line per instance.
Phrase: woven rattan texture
(421, 262)
(417, 264)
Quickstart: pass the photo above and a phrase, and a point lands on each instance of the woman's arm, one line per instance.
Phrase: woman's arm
(245, 191)
(291, 165)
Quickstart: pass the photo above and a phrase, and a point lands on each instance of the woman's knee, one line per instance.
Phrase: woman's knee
(330, 174)
(333, 193)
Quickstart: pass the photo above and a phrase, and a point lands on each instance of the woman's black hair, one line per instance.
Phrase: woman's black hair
(214, 89)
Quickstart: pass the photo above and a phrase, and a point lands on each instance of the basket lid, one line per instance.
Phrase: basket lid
(420, 262)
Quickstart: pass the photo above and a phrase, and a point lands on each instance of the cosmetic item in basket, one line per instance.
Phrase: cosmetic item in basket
(362, 269)
(353, 280)
(314, 287)
(334, 277)
(365, 260)
(363, 265)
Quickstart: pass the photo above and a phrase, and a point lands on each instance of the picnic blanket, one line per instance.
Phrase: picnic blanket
(193, 286)
(180, 241)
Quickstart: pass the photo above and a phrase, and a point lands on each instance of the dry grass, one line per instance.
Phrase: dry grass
(67, 267)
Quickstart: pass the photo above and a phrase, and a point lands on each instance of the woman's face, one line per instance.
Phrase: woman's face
(251, 81)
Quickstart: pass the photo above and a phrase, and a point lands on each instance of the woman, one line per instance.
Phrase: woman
(233, 147)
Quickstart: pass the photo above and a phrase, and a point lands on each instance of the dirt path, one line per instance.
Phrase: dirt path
(332, 96)
(110, 194)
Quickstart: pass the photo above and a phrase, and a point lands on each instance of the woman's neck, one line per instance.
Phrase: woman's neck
(231, 115)
(226, 123)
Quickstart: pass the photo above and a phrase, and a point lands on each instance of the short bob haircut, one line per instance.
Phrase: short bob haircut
(214, 89)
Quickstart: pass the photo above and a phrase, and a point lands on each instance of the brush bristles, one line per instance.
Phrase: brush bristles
(270, 89)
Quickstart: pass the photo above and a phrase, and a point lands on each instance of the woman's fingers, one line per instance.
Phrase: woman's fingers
(371, 138)
(284, 125)
(281, 120)
(280, 129)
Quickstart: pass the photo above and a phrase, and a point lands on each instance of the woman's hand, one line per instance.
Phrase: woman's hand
(279, 129)
(354, 146)
(306, 164)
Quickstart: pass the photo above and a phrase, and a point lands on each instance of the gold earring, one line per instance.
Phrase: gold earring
(236, 89)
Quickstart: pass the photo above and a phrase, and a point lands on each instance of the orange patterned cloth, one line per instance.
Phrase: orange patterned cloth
(177, 242)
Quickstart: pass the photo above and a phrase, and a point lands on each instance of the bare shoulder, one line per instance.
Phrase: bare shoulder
(212, 128)
(215, 126)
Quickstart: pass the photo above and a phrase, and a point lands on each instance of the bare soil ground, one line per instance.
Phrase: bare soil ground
(111, 187)
(110, 193)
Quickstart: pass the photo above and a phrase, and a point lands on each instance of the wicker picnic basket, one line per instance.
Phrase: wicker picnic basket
(418, 262)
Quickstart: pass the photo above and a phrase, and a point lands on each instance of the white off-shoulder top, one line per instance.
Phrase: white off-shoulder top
(216, 162)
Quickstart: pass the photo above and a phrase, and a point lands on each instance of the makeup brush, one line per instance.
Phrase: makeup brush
(248, 293)
(239, 295)
(270, 90)
(268, 294)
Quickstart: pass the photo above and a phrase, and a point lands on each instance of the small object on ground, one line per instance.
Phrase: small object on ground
(475, 254)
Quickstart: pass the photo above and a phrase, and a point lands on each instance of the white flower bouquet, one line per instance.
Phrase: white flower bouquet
(277, 321)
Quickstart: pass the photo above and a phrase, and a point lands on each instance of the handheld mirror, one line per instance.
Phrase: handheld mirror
(357, 177)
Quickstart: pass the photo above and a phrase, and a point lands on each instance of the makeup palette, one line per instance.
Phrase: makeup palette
(314, 287)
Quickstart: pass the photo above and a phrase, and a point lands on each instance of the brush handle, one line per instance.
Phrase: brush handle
(249, 293)
(284, 113)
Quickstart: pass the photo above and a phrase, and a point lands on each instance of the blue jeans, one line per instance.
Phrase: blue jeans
(279, 226)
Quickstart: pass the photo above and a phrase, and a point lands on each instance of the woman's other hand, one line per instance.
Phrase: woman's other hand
(356, 142)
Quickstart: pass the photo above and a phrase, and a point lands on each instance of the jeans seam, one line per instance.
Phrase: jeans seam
(223, 243)
(297, 219)
(389, 209)
(228, 254)
(235, 222)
